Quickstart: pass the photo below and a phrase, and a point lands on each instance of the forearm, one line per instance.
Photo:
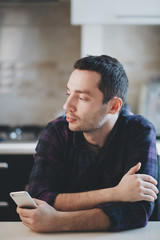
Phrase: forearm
(86, 220)
(45, 218)
(132, 188)
(83, 200)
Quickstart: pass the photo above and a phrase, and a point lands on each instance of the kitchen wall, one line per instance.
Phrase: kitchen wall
(38, 47)
(138, 48)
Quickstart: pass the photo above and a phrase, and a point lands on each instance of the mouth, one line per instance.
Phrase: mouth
(70, 119)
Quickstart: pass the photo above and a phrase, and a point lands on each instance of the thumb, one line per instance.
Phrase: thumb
(134, 169)
(38, 202)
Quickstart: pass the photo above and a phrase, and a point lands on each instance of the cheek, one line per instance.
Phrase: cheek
(89, 111)
(88, 108)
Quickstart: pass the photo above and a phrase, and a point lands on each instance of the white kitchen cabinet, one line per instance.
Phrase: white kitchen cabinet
(115, 12)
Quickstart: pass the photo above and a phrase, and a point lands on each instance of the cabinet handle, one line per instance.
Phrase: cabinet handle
(3, 165)
(4, 204)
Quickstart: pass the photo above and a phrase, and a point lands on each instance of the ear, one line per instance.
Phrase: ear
(115, 105)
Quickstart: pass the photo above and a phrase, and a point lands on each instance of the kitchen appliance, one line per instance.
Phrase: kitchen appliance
(19, 133)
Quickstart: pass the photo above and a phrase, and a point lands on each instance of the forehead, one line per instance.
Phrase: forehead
(84, 80)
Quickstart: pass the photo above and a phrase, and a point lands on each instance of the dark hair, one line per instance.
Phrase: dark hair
(114, 81)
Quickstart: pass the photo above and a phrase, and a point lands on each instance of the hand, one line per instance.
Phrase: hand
(42, 219)
(136, 187)
(46, 219)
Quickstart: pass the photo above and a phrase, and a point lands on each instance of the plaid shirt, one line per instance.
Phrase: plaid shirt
(64, 164)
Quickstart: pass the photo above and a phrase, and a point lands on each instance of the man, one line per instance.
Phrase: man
(86, 162)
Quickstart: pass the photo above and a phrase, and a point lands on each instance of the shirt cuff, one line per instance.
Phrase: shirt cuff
(125, 216)
(49, 198)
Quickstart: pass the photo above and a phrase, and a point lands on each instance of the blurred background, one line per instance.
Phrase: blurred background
(38, 46)
(40, 41)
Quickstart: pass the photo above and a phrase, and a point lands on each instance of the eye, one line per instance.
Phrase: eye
(81, 98)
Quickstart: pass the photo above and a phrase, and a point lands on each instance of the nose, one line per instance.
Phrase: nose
(69, 104)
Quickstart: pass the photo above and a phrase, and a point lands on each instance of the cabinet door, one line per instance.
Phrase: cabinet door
(14, 175)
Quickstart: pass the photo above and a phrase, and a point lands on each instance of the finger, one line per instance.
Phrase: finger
(26, 224)
(23, 219)
(25, 212)
(38, 202)
(151, 186)
(26, 221)
(148, 198)
(29, 222)
(147, 178)
(18, 210)
(149, 193)
(134, 169)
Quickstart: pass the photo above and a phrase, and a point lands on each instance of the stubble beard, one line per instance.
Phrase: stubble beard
(93, 124)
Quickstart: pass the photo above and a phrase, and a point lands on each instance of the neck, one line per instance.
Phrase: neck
(99, 136)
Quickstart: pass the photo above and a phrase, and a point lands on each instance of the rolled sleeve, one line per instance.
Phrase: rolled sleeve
(124, 216)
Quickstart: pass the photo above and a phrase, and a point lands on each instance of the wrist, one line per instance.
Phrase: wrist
(115, 194)
(110, 194)
(58, 221)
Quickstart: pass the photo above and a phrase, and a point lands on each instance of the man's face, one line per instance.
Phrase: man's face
(84, 106)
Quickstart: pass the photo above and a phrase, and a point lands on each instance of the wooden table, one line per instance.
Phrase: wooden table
(17, 231)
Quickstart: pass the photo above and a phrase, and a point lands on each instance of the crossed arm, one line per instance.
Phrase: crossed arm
(78, 212)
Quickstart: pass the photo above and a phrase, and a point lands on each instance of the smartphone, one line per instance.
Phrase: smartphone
(23, 199)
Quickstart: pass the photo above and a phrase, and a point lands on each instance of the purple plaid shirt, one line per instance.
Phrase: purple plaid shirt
(64, 164)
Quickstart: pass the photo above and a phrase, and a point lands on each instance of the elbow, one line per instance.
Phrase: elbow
(142, 223)
(144, 214)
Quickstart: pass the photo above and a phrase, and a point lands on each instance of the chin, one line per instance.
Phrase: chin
(74, 128)
(71, 127)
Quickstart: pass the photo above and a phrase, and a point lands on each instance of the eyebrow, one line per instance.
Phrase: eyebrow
(82, 92)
